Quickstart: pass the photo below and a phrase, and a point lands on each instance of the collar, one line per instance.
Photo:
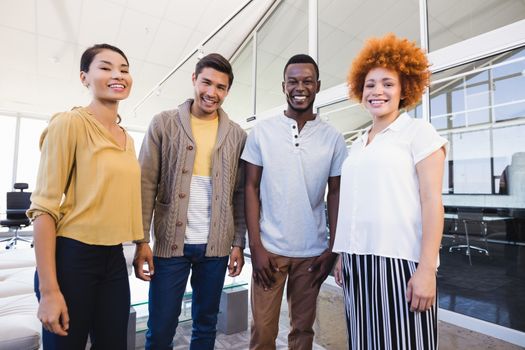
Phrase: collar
(398, 124)
(290, 121)
(185, 118)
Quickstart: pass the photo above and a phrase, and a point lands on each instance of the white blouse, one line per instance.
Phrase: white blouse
(379, 206)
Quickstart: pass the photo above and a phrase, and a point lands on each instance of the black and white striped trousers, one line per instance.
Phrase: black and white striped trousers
(377, 313)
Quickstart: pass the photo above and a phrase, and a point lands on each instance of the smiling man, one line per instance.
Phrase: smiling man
(192, 186)
(291, 158)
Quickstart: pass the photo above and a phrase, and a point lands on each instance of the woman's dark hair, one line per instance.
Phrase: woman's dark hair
(91, 52)
(217, 62)
(89, 55)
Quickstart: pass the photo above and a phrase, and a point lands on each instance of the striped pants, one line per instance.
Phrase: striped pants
(377, 313)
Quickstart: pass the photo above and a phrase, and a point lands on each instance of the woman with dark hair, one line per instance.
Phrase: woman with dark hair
(86, 203)
(390, 211)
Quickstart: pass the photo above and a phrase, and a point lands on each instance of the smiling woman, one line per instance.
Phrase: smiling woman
(389, 250)
(85, 204)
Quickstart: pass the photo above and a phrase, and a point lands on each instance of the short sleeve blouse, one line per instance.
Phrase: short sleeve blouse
(379, 208)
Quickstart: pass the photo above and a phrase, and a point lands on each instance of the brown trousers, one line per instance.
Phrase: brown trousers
(302, 303)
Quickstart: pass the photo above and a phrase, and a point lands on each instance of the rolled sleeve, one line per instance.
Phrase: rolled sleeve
(426, 141)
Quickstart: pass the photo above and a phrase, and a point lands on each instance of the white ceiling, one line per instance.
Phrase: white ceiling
(42, 41)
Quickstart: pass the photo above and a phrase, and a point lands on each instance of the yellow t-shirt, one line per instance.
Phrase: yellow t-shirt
(199, 205)
(205, 136)
(87, 182)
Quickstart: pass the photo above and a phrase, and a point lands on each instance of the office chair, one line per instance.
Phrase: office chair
(474, 215)
(17, 204)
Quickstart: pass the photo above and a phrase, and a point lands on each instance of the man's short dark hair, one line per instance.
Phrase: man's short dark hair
(217, 62)
(302, 58)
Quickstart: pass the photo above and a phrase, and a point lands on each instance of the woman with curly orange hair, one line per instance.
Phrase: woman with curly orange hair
(390, 213)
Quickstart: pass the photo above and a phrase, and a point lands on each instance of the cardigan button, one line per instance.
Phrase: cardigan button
(179, 223)
(174, 247)
(182, 195)
(190, 147)
(184, 171)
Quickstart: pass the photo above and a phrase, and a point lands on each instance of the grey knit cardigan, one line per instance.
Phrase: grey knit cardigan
(166, 158)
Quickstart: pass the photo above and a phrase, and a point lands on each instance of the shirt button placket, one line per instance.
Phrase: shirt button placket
(354, 206)
(295, 136)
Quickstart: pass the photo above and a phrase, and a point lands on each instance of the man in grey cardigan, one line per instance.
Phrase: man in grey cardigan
(192, 186)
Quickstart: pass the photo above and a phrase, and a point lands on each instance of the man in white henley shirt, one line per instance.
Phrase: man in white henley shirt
(291, 158)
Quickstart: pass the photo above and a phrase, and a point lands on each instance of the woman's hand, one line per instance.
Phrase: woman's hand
(52, 312)
(421, 289)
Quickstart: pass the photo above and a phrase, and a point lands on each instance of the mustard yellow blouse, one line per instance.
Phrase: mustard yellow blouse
(87, 182)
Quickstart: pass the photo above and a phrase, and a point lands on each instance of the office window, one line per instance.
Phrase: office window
(344, 26)
(137, 140)
(508, 148)
(282, 36)
(452, 21)
(473, 105)
(509, 100)
(416, 112)
(7, 143)
(29, 151)
(471, 164)
(239, 103)
(349, 117)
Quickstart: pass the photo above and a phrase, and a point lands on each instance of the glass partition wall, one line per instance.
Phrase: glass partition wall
(480, 108)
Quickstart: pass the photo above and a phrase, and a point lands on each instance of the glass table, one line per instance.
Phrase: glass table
(139, 296)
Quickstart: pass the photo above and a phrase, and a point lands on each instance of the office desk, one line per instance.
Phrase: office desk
(487, 218)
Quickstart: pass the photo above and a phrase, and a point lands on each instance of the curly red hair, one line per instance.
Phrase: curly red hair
(399, 55)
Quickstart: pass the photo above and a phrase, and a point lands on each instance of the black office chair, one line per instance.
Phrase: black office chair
(17, 204)
(472, 215)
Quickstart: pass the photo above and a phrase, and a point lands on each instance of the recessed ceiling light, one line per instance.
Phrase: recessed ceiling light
(54, 59)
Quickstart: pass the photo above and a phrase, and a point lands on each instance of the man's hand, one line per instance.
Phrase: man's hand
(52, 312)
(263, 267)
(322, 265)
(236, 262)
(338, 271)
(143, 255)
(421, 289)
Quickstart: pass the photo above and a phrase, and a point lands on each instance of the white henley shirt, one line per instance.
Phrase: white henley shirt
(296, 168)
